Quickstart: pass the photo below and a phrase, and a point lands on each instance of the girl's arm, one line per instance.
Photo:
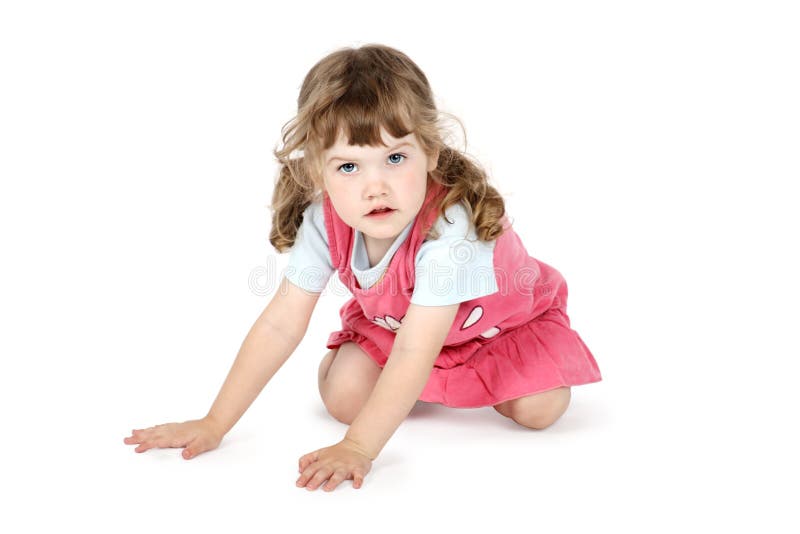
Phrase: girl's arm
(416, 347)
(270, 342)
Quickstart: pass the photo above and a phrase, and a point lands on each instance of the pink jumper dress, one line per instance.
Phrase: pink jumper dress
(512, 343)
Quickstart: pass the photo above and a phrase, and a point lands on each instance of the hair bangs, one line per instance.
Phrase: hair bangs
(359, 118)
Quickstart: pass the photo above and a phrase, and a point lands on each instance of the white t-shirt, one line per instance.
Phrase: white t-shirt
(454, 268)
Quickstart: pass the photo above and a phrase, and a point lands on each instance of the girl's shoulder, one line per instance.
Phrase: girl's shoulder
(456, 237)
(314, 216)
(456, 254)
(309, 265)
(456, 223)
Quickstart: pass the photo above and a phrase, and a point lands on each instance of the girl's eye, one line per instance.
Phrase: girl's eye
(347, 168)
(398, 154)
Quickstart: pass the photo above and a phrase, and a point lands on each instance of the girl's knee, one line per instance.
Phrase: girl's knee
(540, 410)
(344, 399)
(325, 365)
(347, 377)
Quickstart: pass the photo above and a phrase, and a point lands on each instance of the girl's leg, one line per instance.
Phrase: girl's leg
(347, 377)
(539, 410)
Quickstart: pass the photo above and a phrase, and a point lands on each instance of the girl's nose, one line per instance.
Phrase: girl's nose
(375, 187)
(376, 195)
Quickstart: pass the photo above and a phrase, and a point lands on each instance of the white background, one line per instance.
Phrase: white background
(648, 151)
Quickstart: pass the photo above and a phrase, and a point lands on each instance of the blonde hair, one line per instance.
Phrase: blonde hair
(358, 91)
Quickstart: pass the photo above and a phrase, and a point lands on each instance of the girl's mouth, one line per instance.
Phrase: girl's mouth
(378, 214)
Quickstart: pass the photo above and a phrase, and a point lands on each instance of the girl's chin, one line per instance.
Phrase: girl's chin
(379, 235)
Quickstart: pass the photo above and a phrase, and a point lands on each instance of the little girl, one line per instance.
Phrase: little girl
(447, 306)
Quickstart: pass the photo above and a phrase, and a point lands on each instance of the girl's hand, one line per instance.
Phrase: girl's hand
(343, 461)
(197, 436)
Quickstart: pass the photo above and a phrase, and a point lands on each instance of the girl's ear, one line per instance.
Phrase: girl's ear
(433, 160)
(318, 182)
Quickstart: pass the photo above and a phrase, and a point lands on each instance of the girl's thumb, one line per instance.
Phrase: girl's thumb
(194, 447)
(191, 449)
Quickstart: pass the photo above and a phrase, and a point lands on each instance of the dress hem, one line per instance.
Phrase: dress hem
(516, 364)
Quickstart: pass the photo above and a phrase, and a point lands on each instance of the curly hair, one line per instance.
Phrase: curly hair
(359, 91)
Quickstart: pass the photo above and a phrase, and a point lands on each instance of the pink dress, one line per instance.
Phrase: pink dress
(509, 344)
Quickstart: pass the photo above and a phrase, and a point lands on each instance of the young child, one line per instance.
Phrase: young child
(447, 306)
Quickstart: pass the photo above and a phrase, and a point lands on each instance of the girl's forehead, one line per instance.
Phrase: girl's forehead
(342, 143)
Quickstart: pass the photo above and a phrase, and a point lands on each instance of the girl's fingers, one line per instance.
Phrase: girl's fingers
(338, 477)
(358, 479)
(303, 478)
(306, 459)
(140, 440)
(307, 474)
(143, 447)
(138, 436)
(145, 441)
(319, 477)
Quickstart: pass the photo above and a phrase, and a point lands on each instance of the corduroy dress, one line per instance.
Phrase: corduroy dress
(509, 344)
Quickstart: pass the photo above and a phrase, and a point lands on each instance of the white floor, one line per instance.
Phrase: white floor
(631, 453)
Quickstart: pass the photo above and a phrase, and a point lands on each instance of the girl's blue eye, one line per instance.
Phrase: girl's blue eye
(394, 162)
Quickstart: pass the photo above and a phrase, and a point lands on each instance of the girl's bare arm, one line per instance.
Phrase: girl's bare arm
(271, 340)
(416, 347)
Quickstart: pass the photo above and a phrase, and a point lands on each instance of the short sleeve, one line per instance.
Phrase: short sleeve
(457, 266)
(310, 265)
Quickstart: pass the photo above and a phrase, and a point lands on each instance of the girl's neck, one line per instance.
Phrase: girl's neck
(376, 248)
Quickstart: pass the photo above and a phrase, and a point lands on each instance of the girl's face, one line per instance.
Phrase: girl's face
(360, 179)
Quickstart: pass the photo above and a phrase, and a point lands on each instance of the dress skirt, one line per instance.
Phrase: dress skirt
(542, 354)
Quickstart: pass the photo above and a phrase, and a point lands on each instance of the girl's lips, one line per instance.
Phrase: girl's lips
(380, 214)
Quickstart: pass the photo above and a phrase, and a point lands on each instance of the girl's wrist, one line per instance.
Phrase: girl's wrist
(216, 425)
(359, 448)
